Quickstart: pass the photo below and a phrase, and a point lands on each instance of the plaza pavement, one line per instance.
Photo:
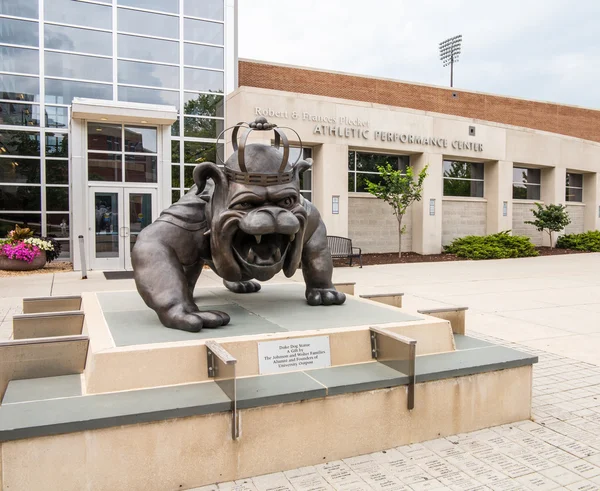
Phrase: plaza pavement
(549, 306)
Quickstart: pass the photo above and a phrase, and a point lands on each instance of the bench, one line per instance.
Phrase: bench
(341, 247)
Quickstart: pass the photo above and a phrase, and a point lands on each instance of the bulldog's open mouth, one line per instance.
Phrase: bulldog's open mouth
(261, 251)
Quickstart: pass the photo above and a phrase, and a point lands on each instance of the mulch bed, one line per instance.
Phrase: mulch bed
(413, 257)
(53, 267)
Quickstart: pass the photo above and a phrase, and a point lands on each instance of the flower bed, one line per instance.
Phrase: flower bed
(20, 251)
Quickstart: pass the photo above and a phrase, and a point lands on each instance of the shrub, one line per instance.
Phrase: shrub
(589, 241)
(496, 246)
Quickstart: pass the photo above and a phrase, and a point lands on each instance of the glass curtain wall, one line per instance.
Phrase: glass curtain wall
(151, 51)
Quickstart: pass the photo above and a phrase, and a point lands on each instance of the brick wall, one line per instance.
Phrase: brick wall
(373, 227)
(556, 118)
(460, 218)
(521, 213)
(576, 216)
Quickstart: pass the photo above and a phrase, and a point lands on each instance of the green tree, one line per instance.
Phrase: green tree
(551, 218)
(399, 190)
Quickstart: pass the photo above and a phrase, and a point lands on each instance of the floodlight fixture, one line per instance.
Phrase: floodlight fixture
(449, 53)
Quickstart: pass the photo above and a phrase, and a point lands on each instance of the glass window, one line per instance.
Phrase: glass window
(204, 104)
(17, 198)
(147, 23)
(104, 136)
(18, 88)
(8, 221)
(15, 114)
(19, 8)
(57, 225)
(140, 139)
(362, 167)
(202, 31)
(78, 13)
(24, 143)
(204, 56)
(175, 173)
(57, 145)
(57, 117)
(574, 187)
(75, 39)
(150, 96)
(188, 176)
(202, 127)
(175, 152)
(13, 31)
(63, 91)
(526, 183)
(57, 171)
(57, 199)
(21, 60)
(203, 80)
(160, 5)
(137, 73)
(78, 66)
(148, 49)
(105, 167)
(306, 177)
(175, 128)
(175, 195)
(208, 9)
(140, 168)
(195, 152)
(19, 171)
(463, 179)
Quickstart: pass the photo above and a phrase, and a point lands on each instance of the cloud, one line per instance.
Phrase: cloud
(546, 50)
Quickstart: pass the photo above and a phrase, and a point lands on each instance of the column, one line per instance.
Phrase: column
(498, 192)
(553, 191)
(427, 227)
(79, 193)
(591, 198)
(330, 178)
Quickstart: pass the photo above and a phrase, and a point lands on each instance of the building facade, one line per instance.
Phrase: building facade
(484, 176)
(105, 107)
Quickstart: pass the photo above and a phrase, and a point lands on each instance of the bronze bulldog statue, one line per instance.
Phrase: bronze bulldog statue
(247, 221)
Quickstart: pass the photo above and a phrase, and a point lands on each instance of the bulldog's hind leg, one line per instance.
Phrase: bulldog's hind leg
(242, 286)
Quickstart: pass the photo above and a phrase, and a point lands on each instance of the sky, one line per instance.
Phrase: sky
(547, 50)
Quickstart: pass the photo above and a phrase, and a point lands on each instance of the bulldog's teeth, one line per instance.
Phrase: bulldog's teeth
(251, 256)
(292, 237)
(258, 238)
(277, 255)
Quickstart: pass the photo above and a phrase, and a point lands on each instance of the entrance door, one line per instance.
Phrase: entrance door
(117, 216)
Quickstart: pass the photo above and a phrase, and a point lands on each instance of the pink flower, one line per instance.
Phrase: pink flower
(20, 251)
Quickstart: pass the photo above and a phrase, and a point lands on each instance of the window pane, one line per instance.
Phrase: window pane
(195, 153)
(131, 72)
(202, 31)
(307, 195)
(19, 143)
(140, 139)
(18, 88)
(17, 170)
(74, 39)
(175, 151)
(57, 199)
(150, 96)
(175, 176)
(104, 167)
(574, 180)
(148, 49)
(26, 198)
(361, 181)
(57, 145)
(78, 13)
(457, 169)
(574, 194)
(524, 175)
(13, 31)
(57, 117)
(175, 128)
(519, 191)
(369, 162)
(160, 5)
(57, 171)
(63, 92)
(78, 66)
(20, 8)
(19, 114)
(203, 80)
(208, 9)
(140, 168)
(203, 104)
(351, 182)
(204, 56)
(103, 136)
(351, 160)
(188, 176)
(457, 187)
(306, 180)
(57, 225)
(24, 220)
(202, 128)
(21, 60)
(175, 194)
(476, 171)
(147, 23)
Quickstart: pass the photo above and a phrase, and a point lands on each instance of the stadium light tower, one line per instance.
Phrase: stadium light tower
(449, 52)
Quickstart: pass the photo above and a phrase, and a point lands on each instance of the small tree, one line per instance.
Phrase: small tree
(551, 218)
(399, 191)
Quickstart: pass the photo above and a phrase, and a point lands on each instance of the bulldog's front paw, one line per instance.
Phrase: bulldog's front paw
(324, 296)
(242, 286)
(191, 320)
